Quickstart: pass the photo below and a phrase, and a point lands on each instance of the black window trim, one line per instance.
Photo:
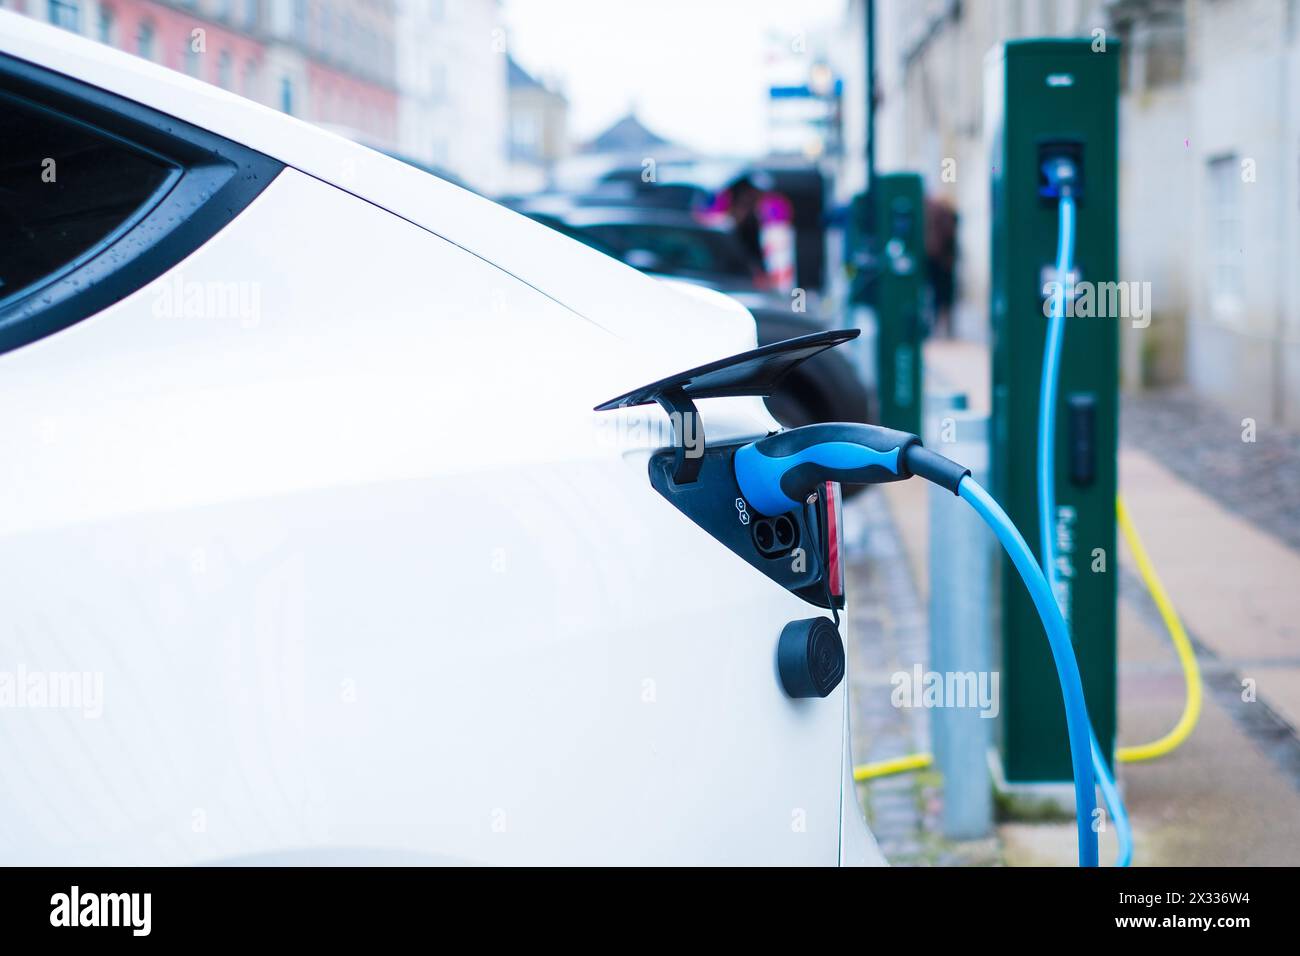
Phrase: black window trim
(217, 179)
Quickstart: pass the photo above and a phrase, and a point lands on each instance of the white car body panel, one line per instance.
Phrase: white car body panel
(363, 576)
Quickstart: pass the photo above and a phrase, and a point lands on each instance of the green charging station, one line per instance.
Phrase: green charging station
(891, 222)
(1047, 98)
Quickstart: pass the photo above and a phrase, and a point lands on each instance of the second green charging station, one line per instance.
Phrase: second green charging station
(892, 221)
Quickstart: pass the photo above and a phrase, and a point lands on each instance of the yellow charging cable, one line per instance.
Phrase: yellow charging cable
(1186, 656)
(1182, 644)
(885, 768)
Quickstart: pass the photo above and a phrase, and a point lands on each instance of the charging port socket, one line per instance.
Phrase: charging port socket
(775, 537)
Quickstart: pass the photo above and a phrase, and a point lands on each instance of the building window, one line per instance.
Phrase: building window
(105, 31)
(524, 137)
(226, 71)
(363, 52)
(252, 13)
(343, 52)
(286, 95)
(1223, 212)
(191, 58)
(66, 14)
(144, 40)
(250, 80)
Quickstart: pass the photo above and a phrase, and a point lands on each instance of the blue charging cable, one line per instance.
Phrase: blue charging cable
(1083, 742)
(1060, 175)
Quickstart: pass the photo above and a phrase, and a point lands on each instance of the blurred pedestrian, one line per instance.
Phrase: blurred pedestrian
(763, 220)
(941, 261)
(742, 204)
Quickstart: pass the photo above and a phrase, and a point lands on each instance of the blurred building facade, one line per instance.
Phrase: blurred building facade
(1209, 167)
(424, 78)
(538, 139)
(451, 75)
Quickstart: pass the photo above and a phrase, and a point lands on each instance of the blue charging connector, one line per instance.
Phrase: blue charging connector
(778, 472)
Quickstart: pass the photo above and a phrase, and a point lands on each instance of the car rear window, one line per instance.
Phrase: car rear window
(65, 191)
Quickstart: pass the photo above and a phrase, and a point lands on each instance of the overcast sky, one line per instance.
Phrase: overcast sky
(694, 69)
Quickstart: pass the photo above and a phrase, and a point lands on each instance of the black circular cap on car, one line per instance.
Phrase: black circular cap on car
(810, 657)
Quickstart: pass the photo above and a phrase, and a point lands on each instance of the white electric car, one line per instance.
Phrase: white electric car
(313, 548)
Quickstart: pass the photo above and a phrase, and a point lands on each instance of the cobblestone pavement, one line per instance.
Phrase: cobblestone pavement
(1203, 444)
(888, 632)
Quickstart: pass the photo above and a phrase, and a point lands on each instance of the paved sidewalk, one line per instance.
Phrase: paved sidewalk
(888, 633)
(1228, 552)
(1256, 479)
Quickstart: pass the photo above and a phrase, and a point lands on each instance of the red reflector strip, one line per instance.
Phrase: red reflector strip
(834, 539)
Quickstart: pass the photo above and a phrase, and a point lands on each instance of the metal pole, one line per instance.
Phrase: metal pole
(961, 568)
(871, 93)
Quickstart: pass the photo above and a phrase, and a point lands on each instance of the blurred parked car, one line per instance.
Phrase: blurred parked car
(694, 184)
(673, 242)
